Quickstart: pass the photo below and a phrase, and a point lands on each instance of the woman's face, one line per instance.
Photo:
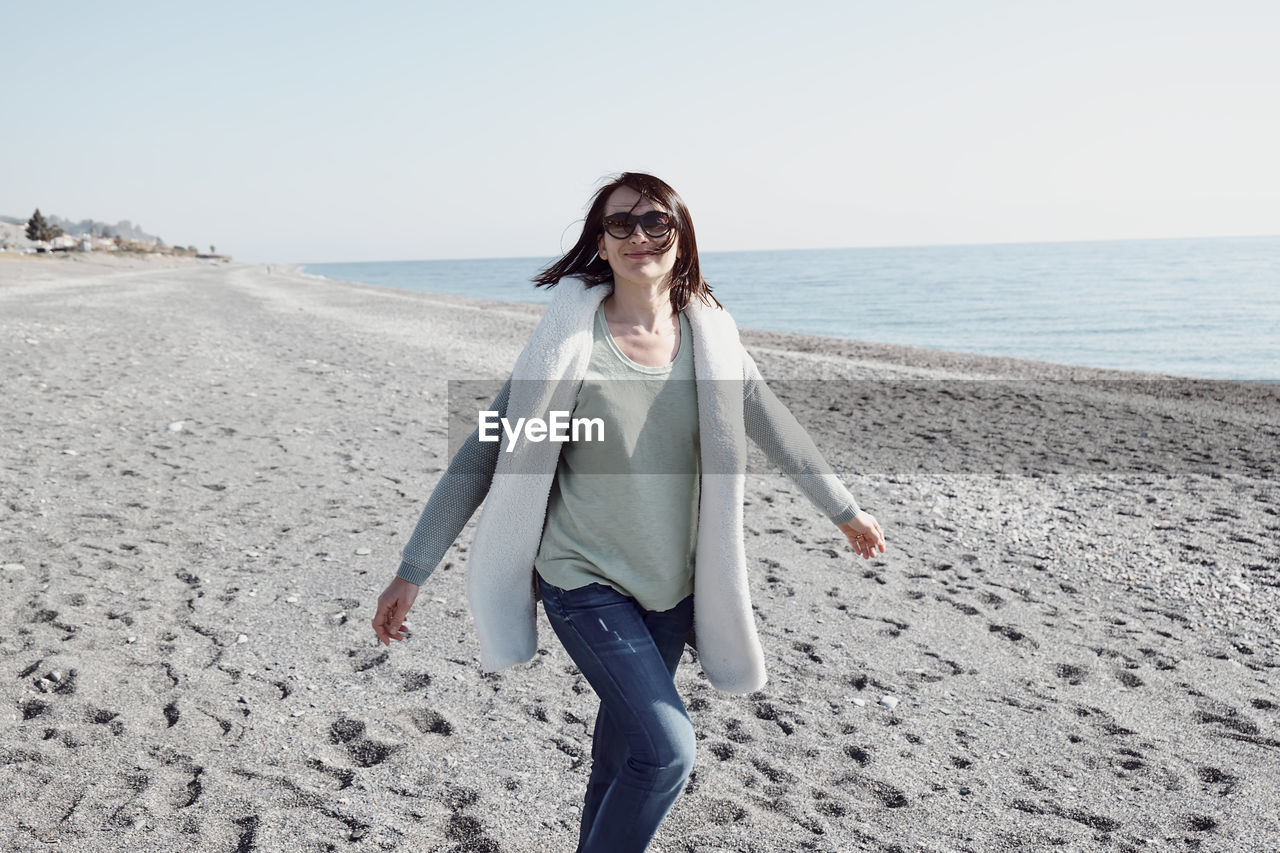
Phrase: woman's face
(638, 258)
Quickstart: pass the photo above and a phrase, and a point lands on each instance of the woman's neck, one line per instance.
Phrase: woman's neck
(646, 307)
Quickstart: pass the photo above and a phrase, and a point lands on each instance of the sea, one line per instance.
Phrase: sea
(1207, 308)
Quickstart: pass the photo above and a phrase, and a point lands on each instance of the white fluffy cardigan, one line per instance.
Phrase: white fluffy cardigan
(500, 572)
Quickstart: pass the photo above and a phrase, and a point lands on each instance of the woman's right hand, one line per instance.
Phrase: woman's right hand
(864, 535)
(393, 606)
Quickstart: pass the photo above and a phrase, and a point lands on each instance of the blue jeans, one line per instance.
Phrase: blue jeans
(643, 747)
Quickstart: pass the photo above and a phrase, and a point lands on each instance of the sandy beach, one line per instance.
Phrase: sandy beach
(208, 472)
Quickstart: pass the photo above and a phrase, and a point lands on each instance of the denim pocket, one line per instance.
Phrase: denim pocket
(593, 595)
(581, 598)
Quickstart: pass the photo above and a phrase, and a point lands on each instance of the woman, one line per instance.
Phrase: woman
(632, 540)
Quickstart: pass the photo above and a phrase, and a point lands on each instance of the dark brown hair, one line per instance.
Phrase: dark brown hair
(583, 261)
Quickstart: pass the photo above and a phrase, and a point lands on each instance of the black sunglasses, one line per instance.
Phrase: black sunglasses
(655, 223)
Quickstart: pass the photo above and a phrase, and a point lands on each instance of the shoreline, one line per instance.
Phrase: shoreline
(907, 355)
(209, 473)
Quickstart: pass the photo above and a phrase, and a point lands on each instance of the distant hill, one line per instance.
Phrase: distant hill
(124, 228)
(13, 232)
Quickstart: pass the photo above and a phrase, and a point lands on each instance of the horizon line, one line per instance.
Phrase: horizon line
(832, 248)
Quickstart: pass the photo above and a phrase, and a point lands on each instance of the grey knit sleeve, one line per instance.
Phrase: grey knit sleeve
(453, 501)
(786, 444)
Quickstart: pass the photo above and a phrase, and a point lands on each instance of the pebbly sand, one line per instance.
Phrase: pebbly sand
(208, 473)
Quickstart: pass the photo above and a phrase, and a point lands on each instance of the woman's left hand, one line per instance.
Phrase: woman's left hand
(864, 534)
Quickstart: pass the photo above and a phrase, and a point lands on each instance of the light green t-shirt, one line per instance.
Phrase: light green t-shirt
(624, 510)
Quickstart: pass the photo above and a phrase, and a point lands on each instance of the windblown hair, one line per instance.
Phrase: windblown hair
(583, 261)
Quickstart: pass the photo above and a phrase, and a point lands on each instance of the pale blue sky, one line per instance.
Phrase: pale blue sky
(320, 131)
